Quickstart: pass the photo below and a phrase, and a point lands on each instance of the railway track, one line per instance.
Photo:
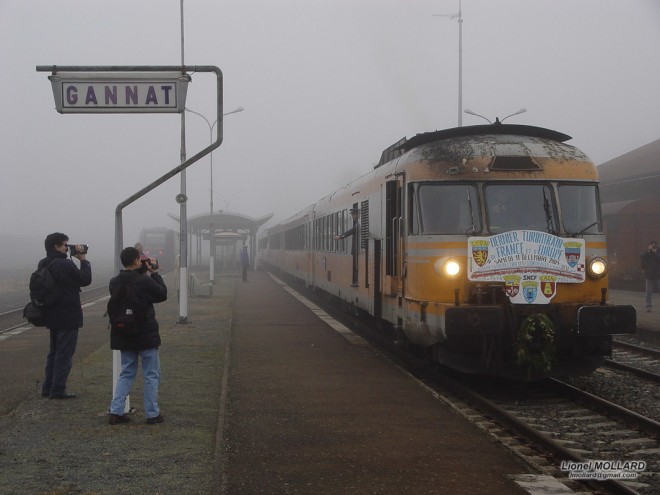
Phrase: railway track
(639, 360)
(12, 321)
(551, 423)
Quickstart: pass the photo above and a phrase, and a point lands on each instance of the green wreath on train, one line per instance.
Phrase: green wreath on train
(534, 346)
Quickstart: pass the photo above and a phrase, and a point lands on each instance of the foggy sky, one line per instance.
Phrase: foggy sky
(326, 84)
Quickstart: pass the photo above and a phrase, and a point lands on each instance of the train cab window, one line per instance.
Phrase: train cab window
(520, 206)
(445, 209)
(579, 209)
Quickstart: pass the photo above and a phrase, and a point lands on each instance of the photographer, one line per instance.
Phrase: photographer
(650, 262)
(65, 316)
(142, 284)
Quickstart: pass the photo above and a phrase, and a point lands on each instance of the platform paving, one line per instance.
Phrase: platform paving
(311, 412)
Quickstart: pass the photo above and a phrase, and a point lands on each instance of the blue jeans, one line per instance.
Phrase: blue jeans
(59, 360)
(151, 372)
(651, 285)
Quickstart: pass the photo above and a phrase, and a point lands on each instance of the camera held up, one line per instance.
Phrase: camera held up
(149, 263)
(75, 249)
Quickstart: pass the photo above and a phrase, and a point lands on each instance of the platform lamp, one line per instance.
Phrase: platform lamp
(211, 226)
(497, 120)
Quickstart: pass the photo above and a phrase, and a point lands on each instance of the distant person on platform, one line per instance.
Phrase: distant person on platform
(245, 262)
(650, 262)
(64, 317)
(144, 343)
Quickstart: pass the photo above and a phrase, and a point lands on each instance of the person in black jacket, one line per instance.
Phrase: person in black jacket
(148, 288)
(64, 317)
(650, 262)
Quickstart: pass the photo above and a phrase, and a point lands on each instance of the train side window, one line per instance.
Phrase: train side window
(579, 208)
(445, 209)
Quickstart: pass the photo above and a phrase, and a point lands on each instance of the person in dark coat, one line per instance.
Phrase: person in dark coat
(64, 317)
(148, 288)
(650, 262)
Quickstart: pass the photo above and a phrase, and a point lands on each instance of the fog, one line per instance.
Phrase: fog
(326, 86)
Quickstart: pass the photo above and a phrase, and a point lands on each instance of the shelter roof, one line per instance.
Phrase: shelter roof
(225, 221)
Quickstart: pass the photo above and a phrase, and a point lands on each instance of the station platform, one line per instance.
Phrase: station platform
(648, 323)
(262, 393)
(314, 410)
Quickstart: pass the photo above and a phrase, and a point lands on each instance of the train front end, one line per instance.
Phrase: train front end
(506, 260)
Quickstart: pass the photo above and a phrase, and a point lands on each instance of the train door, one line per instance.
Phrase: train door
(309, 250)
(393, 215)
(377, 290)
(355, 243)
(312, 246)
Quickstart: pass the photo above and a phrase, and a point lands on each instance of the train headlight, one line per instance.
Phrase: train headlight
(445, 266)
(452, 268)
(597, 267)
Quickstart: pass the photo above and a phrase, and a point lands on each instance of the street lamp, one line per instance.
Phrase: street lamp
(211, 227)
(458, 16)
(468, 111)
(497, 120)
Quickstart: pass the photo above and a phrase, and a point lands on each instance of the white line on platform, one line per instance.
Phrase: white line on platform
(15, 331)
(342, 330)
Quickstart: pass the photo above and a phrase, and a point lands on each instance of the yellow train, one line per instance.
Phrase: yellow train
(483, 245)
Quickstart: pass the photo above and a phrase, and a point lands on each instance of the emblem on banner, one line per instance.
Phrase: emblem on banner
(511, 285)
(548, 285)
(530, 288)
(480, 252)
(572, 251)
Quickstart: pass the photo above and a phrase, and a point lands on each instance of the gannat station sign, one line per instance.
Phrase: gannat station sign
(130, 92)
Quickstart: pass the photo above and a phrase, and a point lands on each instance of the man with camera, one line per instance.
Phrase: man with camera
(650, 262)
(133, 292)
(64, 317)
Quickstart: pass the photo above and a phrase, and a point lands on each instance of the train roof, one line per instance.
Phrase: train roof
(482, 130)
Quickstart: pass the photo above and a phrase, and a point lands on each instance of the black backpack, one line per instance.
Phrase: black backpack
(44, 291)
(125, 311)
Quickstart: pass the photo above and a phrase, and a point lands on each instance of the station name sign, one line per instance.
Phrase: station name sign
(120, 92)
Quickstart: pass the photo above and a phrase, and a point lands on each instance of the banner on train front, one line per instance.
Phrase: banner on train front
(530, 263)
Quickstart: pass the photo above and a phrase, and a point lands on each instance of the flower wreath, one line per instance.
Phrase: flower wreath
(535, 344)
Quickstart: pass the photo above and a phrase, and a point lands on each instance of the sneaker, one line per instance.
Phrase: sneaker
(118, 419)
(155, 420)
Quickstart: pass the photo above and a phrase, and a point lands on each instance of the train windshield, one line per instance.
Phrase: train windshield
(579, 209)
(155, 241)
(520, 206)
(446, 209)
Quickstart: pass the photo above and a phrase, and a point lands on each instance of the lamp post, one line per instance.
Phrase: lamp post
(458, 16)
(211, 226)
